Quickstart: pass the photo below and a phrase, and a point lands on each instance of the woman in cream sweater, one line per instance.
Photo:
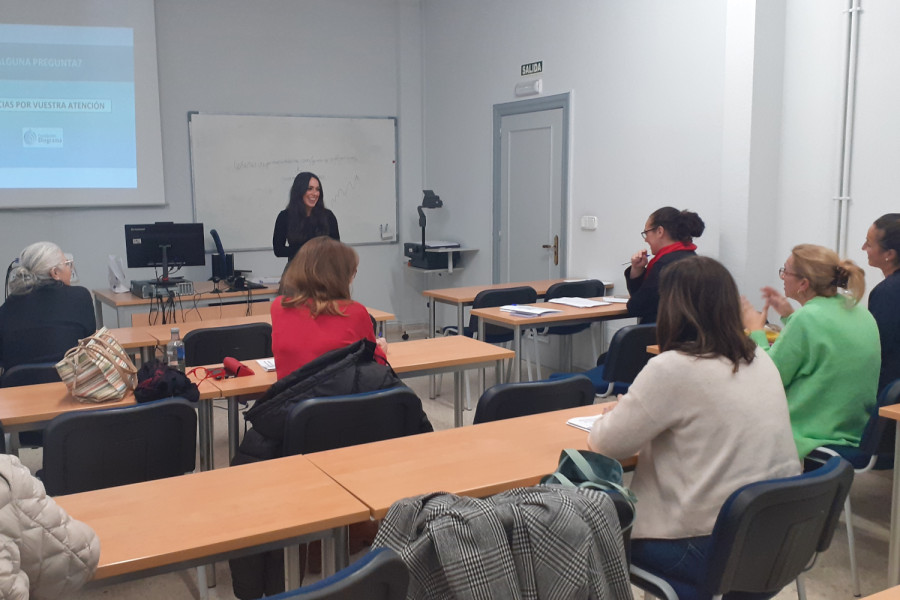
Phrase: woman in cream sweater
(708, 415)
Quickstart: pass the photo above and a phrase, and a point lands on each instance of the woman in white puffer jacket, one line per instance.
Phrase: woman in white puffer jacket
(44, 553)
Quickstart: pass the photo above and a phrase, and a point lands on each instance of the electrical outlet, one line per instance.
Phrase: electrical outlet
(589, 223)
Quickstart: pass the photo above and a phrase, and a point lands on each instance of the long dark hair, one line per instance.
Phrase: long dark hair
(700, 312)
(681, 225)
(298, 228)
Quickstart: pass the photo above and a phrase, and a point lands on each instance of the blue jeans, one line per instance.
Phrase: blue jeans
(683, 559)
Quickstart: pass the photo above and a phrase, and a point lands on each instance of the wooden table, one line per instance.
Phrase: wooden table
(160, 334)
(179, 522)
(451, 354)
(568, 315)
(892, 593)
(893, 412)
(203, 295)
(471, 461)
(461, 297)
(464, 296)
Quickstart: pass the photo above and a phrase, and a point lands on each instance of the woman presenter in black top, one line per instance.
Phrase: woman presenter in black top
(304, 218)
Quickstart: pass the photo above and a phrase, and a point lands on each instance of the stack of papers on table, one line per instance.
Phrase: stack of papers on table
(266, 363)
(523, 310)
(584, 423)
(579, 302)
(615, 299)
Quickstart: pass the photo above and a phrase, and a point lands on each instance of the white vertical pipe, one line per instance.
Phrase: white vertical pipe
(845, 153)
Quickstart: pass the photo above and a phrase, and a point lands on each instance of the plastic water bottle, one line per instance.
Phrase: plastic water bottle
(175, 351)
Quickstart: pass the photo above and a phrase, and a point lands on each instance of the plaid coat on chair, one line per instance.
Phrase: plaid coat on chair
(538, 543)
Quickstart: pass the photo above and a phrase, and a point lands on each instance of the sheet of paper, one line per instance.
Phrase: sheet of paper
(578, 302)
(523, 310)
(266, 363)
(615, 300)
(584, 423)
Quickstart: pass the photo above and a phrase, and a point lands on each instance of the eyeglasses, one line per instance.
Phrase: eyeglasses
(782, 272)
(202, 373)
(68, 263)
(646, 231)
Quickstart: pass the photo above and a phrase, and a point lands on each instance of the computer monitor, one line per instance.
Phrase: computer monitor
(165, 245)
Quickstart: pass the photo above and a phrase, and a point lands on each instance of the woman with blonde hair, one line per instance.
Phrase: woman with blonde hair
(44, 314)
(828, 354)
(316, 314)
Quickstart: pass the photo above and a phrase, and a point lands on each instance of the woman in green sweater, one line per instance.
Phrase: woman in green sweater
(828, 353)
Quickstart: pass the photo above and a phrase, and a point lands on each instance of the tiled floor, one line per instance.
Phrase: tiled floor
(829, 578)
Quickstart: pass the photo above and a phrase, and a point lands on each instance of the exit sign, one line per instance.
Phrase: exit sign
(532, 68)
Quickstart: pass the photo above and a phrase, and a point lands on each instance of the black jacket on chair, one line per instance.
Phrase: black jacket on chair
(344, 371)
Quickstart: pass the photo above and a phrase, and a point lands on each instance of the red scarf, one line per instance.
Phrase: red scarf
(676, 247)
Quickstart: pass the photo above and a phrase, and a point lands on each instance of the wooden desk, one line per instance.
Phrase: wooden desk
(451, 354)
(567, 314)
(892, 593)
(653, 349)
(28, 407)
(464, 296)
(160, 334)
(203, 293)
(893, 412)
(471, 461)
(195, 519)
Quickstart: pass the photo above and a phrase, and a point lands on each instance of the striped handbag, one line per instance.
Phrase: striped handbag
(97, 369)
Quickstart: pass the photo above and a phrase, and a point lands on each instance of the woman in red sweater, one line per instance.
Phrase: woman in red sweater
(316, 314)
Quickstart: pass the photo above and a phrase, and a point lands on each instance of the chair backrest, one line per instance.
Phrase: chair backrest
(321, 424)
(2, 439)
(508, 400)
(379, 575)
(40, 343)
(495, 334)
(767, 532)
(627, 353)
(879, 435)
(243, 342)
(586, 288)
(94, 449)
(30, 374)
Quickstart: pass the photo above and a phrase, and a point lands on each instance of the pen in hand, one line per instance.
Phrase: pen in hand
(628, 262)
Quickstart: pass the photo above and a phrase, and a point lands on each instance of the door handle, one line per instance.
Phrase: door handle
(555, 247)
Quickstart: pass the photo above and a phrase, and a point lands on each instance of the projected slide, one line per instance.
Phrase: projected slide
(67, 107)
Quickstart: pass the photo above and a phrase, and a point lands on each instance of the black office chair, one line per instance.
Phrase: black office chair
(94, 449)
(626, 357)
(766, 535)
(29, 374)
(875, 452)
(40, 343)
(587, 288)
(2, 439)
(321, 424)
(509, 400)
(211, 345)
(379, 575)
(495, 334)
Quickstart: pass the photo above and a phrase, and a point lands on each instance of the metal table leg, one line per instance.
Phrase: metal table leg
(233, 427)
(894, 547)
(517, 345)
(205, 426)
(457, 399)
(431, 322)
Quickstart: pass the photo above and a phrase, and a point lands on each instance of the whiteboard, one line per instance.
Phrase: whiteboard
(243, 166)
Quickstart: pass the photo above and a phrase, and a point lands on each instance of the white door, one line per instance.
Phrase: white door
(529, 240)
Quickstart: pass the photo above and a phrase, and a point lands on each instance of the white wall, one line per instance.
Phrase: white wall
(811, 126)
(646, 78)
(309, 57)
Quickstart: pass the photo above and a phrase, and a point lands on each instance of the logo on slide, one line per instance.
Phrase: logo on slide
(42, 137)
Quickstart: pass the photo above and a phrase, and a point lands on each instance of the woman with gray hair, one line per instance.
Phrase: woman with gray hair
(44, 315)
